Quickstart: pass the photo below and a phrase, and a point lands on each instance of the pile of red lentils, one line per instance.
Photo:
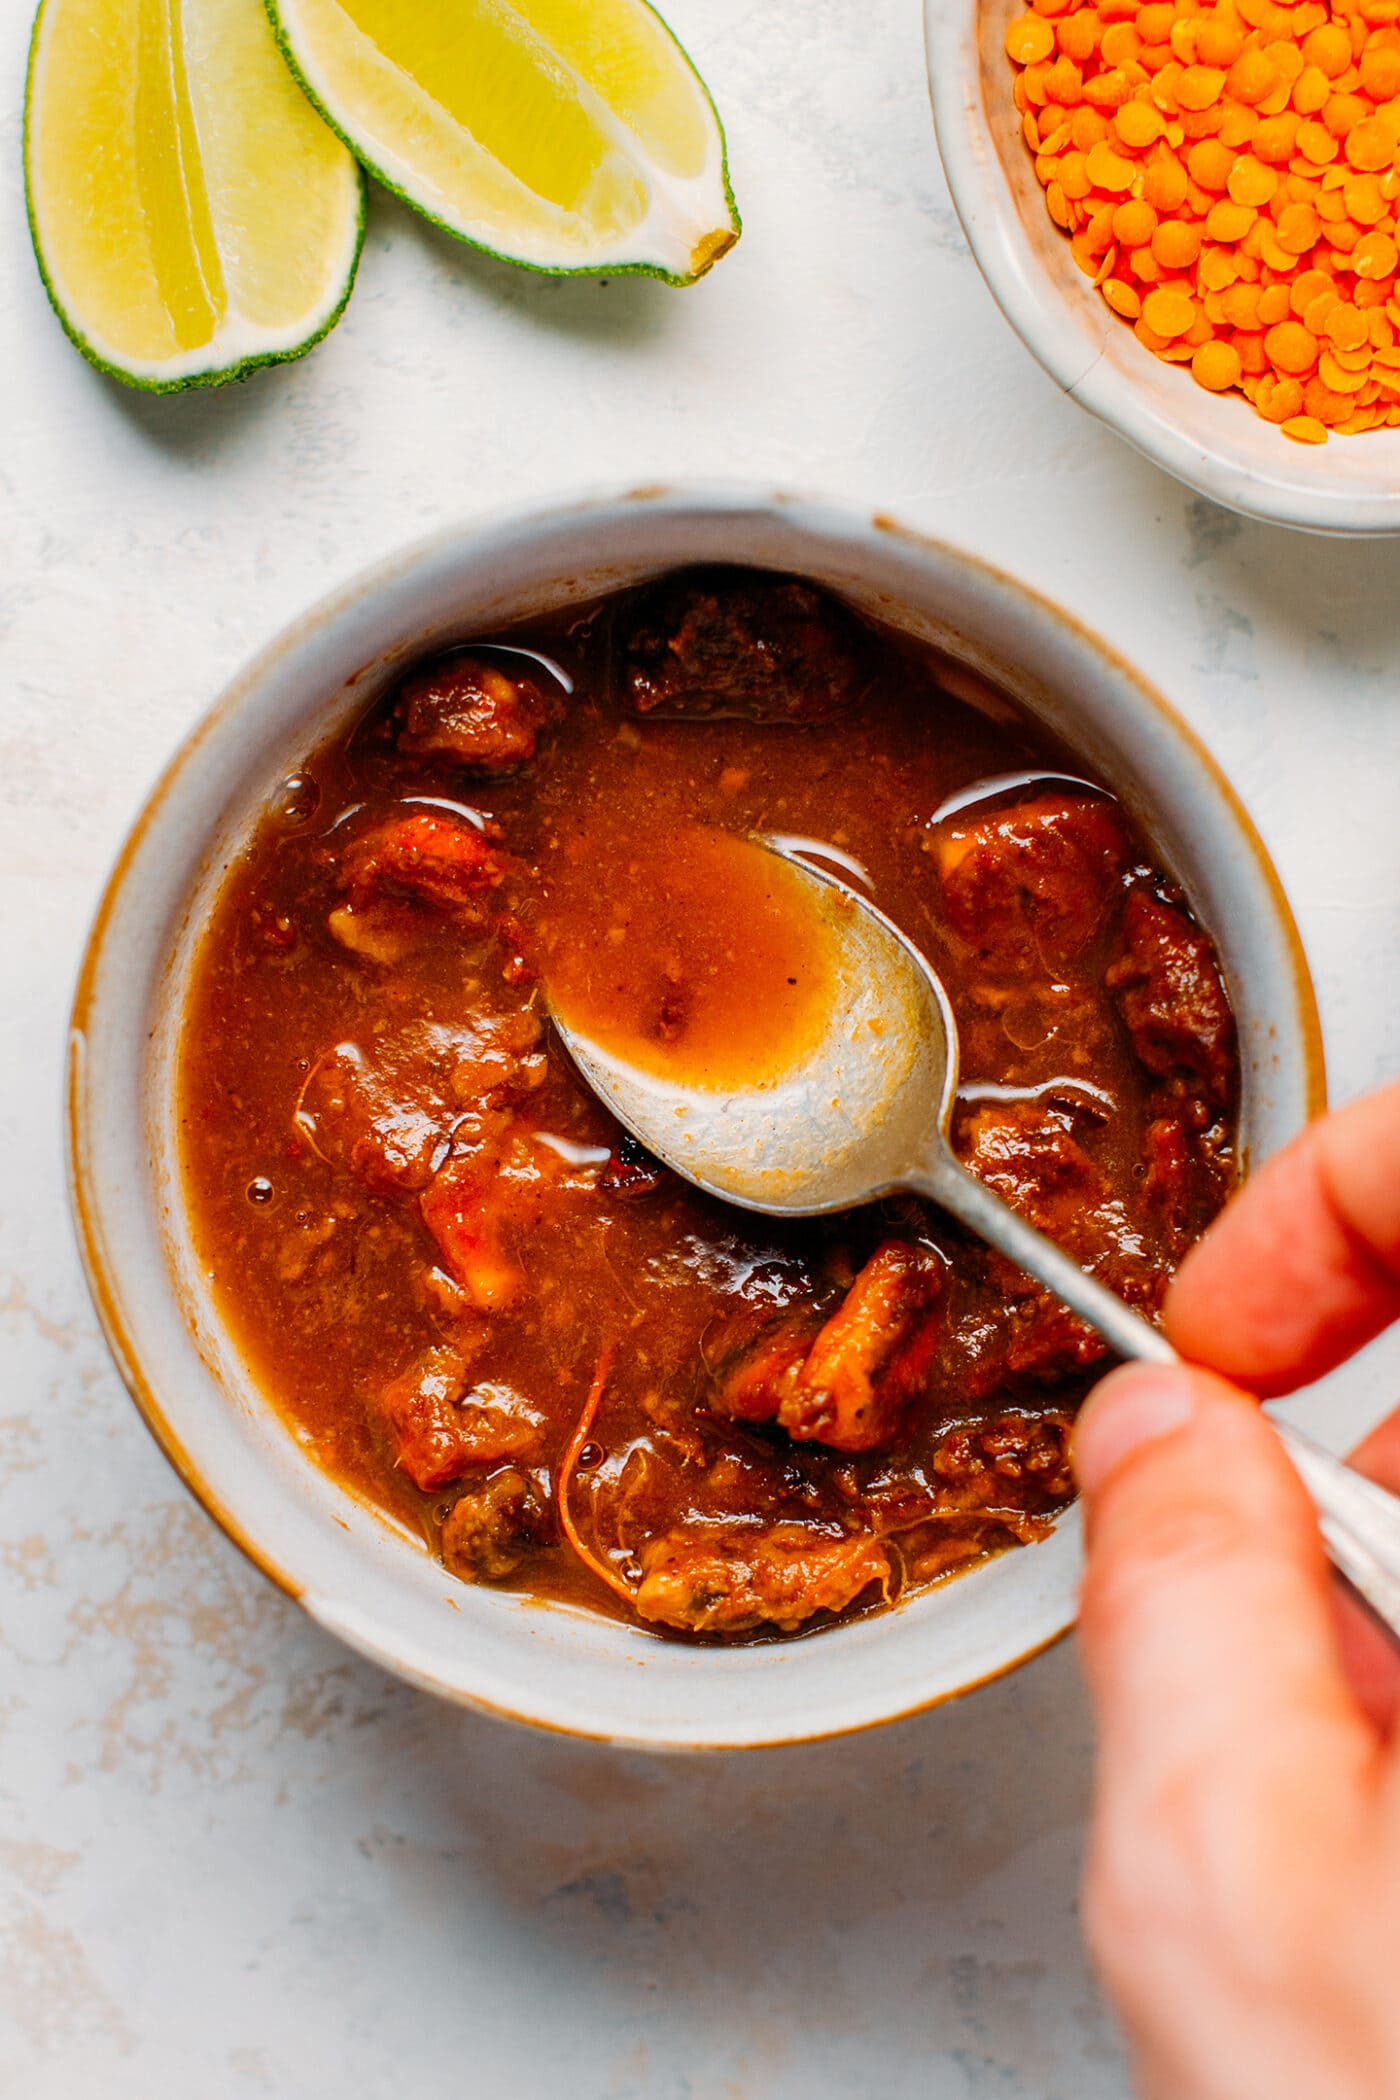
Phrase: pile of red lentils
(1228, 176)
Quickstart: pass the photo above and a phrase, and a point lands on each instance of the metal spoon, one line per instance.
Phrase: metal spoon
(866, 1113)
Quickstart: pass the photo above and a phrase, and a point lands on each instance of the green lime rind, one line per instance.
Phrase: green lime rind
(679, 279)
(219, 375)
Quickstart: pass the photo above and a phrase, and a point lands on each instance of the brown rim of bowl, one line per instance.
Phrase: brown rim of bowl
(85, 1210)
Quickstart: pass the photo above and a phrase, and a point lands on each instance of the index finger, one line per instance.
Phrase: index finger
(1303, 1267)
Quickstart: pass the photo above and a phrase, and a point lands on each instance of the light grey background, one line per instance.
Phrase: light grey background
(233, 1861)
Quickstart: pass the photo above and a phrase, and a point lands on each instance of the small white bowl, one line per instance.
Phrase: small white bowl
(357, 1573)
(1214, 442)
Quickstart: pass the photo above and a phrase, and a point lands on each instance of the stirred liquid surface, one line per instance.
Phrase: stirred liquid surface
(562, 1367)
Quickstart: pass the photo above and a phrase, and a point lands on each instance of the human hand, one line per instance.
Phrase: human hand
(1242, 1895)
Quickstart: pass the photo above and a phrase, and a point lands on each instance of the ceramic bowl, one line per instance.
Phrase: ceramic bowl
(1216, 443)
(357, 1574)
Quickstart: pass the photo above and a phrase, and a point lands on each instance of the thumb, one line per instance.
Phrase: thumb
(1206, 1623)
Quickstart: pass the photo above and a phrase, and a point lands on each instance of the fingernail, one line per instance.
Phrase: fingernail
(1133, 1406)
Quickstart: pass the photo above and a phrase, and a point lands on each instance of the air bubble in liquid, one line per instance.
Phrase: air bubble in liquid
(296, 799)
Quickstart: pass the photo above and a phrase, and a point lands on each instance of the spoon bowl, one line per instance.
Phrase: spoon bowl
(847, 1119)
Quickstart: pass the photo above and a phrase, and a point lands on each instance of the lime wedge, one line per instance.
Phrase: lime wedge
(562, 134)
(192, 216)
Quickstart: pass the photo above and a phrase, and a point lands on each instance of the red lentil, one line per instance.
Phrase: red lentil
(1228, 174)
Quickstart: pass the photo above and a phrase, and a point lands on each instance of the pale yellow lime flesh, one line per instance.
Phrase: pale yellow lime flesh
(192, 214)
(565, 134)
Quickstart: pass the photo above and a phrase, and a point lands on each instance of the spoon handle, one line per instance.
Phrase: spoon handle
(973, 1204)
(1359, 1522)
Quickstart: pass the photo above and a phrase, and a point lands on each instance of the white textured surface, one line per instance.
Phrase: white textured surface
(234, 1862)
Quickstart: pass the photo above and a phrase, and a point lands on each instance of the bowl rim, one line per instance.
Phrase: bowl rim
(1041, 313)
(844, 521)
